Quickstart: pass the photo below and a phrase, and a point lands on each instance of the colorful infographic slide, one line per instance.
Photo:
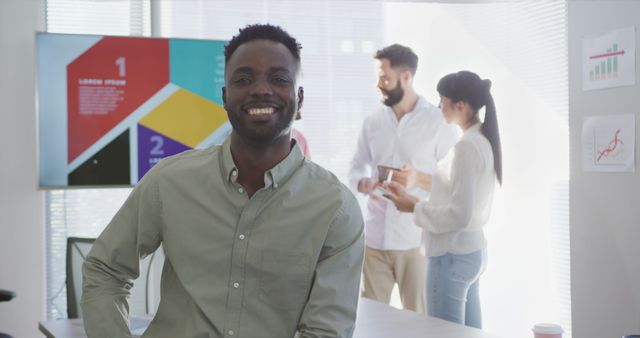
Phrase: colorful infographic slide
(110, 108)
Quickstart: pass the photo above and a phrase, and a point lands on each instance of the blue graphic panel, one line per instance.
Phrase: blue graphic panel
(198, 66)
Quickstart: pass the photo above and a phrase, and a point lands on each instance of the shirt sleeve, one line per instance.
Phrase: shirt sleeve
(114, 261)
(333, 300)
(455, 213)
(361, 162)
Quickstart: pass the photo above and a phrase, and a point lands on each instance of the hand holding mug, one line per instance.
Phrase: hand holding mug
(407, 176)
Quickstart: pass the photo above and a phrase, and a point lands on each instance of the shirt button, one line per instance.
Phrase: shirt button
(275, 185)
(240, 190)
(236, 285)
(241, 237)
(231, 332)
(234, 173)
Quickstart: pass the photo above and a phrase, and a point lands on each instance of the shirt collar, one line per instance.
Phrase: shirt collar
(274, 176)
(421, 103)
(474, 128)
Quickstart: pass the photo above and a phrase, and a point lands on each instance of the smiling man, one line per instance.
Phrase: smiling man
(259, 242)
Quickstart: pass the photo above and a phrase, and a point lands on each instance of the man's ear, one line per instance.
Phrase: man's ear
(224, 96)
(300, 98)
(406, 76)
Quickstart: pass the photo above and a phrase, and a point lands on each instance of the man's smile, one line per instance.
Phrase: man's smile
(261, 111)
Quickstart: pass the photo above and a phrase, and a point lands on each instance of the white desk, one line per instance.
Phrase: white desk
(375, 320)
(74, 328)
(378, 320)
(71, 328)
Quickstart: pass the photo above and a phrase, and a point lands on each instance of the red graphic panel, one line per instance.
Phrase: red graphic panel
(108, 82)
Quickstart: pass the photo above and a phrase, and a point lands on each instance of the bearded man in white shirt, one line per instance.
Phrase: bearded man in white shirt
(410, 134)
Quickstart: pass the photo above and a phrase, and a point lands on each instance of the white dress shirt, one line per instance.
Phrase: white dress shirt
(420, 138)
(461, 198)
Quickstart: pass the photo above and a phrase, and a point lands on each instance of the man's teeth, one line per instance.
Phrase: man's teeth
(261, 111)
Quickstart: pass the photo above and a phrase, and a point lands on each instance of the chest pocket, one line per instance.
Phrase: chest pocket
(284, 279)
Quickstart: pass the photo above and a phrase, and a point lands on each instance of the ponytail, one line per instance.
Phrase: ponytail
(492, 133)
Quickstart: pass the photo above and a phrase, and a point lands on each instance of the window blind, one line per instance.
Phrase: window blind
(83, 212)
(122, 17)
(530, 38)
(522, 47)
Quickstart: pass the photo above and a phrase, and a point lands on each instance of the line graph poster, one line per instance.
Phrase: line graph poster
(609, 143)
(609, 60)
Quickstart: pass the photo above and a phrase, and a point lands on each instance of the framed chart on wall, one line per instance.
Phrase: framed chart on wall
(109, 108)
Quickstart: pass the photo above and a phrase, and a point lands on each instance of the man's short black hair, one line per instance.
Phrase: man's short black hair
(399, 55)
(262, 32)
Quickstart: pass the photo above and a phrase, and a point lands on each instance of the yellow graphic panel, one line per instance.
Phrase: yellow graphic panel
(185, 117)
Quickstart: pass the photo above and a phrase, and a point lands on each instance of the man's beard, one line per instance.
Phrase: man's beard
(394, 95)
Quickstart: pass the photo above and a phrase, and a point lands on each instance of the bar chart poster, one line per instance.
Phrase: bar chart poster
(609, 60)
(609, 143)
(111, 107)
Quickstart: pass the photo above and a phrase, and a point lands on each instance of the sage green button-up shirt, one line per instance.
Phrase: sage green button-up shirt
(286, 261)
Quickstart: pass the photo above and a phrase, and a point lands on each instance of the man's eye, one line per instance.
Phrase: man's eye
(242, 80)
(281, 80)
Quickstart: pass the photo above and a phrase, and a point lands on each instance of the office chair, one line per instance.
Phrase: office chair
(145, 294)
(6, 296)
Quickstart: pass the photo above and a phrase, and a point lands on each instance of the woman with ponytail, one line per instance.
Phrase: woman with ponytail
(460, 202)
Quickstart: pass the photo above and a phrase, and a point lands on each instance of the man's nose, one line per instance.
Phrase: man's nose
(261, 88)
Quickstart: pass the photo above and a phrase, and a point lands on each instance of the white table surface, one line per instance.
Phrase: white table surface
(74, 328)
(375, 320)
(379, 320)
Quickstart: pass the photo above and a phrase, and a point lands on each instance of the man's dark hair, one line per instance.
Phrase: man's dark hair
(399, 56)
(262, 32)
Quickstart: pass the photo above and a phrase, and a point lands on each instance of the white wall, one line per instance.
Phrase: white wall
(605, 208)
(22, 227)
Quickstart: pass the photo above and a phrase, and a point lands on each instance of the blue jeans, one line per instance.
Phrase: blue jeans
(453, 287)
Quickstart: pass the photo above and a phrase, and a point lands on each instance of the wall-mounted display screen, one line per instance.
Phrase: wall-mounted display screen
(110, 107)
